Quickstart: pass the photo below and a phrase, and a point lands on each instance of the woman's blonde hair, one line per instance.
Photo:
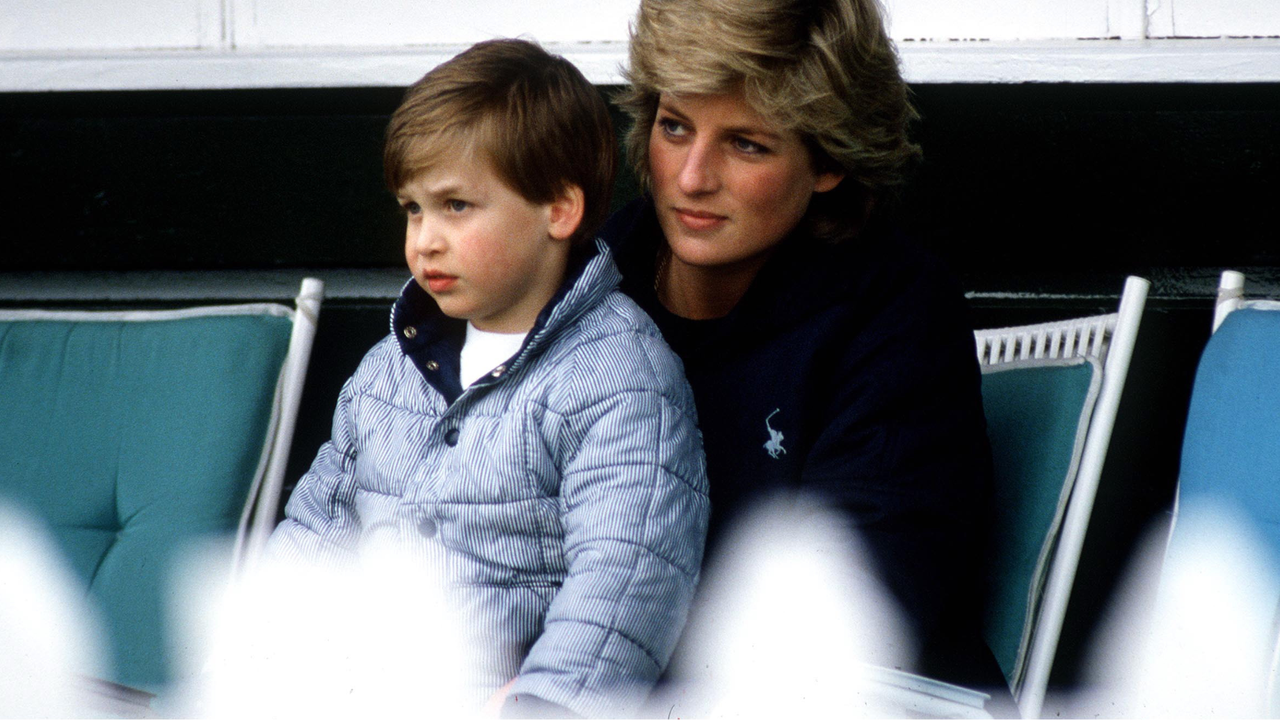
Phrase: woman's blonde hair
(823, 68)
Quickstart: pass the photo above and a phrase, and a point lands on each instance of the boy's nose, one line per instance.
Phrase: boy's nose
(425, 239)
(698, 172)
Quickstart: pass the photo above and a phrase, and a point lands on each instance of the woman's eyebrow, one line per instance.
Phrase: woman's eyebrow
(755, 130)
(666, 107)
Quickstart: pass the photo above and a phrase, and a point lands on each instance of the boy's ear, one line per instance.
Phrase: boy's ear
(566, 212)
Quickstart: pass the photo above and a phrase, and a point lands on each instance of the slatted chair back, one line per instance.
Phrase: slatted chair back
(1050, 392)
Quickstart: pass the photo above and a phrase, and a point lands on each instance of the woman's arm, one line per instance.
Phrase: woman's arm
(902, 452)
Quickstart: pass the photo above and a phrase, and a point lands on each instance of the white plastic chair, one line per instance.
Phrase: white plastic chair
(1074, 371)
(263, 503)
(1230, 296)
(1227, 488)
(130, 434)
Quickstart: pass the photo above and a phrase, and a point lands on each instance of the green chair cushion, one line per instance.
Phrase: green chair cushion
(130, 439)
(1037, 415)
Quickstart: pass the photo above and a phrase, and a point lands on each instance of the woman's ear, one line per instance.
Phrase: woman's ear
(566, 212)
(827, 181)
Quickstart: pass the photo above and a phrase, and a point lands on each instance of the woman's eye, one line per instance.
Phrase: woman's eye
(672, 128)
(748, 146)
(456, 206)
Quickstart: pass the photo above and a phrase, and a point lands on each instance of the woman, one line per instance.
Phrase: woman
(827, 354)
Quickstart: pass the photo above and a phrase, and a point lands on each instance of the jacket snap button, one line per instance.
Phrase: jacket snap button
(451, 437)
(411, 332)
(497, 372)
(433, 365)
(427, 527)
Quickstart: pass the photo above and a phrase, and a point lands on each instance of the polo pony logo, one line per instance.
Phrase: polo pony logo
(774, 446)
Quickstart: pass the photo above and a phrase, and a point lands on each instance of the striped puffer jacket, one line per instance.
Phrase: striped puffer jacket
(564, 493)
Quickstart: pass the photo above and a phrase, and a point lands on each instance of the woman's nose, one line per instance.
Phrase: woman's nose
(699, 173)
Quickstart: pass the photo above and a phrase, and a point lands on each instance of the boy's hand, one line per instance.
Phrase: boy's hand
(493, 706)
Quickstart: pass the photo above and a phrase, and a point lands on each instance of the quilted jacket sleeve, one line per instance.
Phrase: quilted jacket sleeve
(634, 508)
(320, 522)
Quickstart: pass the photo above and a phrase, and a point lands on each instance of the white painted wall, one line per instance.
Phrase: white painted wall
(118, 44)
(285, 23)
(997, 19)
(80, 25)
(1216, 18)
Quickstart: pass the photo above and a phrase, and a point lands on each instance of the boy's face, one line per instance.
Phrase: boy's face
(479, 248)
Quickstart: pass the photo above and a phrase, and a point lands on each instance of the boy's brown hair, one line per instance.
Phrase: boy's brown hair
(543, 126)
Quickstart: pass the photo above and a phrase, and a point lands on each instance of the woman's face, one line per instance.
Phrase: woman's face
(728, 185)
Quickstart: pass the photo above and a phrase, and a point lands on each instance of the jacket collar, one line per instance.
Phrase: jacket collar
(433, 340)
(802, 277)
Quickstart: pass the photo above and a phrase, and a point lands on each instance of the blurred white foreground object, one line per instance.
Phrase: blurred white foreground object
(374, 640)
(1212, 648)
(798, 614)
(1206, 648)
(49, 643)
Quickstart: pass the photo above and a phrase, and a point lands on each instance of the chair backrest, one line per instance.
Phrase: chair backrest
(1230, 465)
(131, 434)
(1231, 445)
(1050, 392)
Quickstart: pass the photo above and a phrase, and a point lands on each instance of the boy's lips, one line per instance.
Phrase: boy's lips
(698, 219)
(439, 282)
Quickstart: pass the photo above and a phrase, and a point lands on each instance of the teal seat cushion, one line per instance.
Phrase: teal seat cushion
(1037, 415)
(130, 439)
(1231, 446)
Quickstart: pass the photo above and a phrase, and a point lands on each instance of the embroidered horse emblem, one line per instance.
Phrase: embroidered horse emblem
(774, 446)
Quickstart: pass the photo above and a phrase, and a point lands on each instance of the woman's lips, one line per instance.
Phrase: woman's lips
(698, 220)
(439, 282)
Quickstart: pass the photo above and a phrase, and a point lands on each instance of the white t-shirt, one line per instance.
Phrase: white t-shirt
(482, 351)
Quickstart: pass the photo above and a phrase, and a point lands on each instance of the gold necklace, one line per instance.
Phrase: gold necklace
(660, 272)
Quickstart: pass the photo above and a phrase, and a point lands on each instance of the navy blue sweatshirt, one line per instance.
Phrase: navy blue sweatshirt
(848, 371)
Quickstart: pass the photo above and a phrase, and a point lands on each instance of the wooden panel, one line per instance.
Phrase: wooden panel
(112, 25)
(1215, 18)
(285, 23)
(997, 19)
(27, 25)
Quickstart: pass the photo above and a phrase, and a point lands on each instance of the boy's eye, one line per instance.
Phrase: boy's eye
(411, 207)
(454, 205)
(671, 127)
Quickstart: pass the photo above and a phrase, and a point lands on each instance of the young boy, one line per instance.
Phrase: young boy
(524, 426)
